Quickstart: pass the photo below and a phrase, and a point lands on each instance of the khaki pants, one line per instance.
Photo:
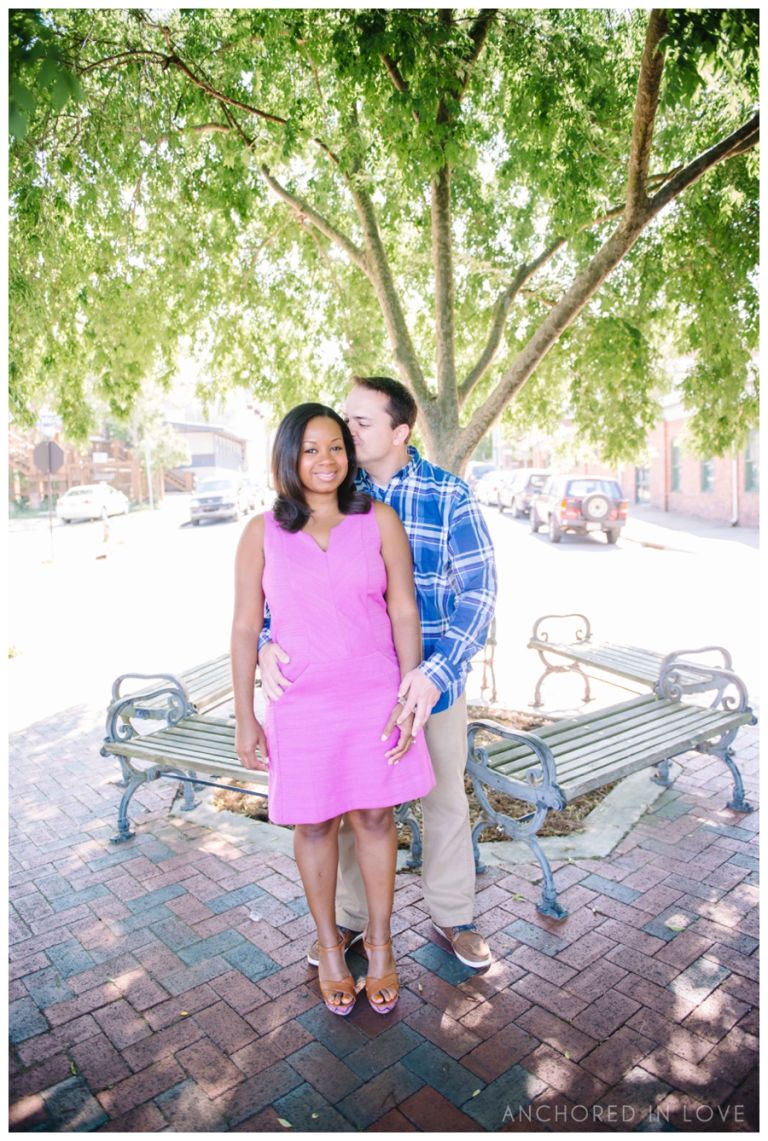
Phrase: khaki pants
(448, 871)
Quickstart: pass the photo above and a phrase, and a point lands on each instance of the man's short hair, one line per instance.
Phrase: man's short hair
(401, 406)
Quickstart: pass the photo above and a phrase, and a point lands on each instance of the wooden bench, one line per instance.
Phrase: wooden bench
(191, 748)
(191, 751)
(576, 644)
(567, 758)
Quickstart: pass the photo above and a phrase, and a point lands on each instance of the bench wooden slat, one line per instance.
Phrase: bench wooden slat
(642, 753)
(585, 725)
(671, 726)
(630, 661)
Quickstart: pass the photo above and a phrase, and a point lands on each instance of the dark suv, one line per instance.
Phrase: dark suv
(579, 503)
(518, 493)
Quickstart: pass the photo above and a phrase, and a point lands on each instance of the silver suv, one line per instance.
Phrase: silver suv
(579, 503)
(220, 497)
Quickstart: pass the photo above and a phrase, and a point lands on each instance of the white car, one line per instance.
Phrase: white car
(91, 501)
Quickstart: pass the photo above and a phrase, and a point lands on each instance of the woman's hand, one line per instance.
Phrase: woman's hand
(406, 734)
(251, 744)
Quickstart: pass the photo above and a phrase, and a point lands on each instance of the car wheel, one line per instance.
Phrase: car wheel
(555, 534)
(612, 535)
(517, 510)
(500, 506)
(195, 522)
(534, 521)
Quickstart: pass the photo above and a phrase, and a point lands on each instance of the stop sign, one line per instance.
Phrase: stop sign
(48, 457)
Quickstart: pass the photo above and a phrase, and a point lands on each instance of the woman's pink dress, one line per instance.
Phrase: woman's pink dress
(329, 614)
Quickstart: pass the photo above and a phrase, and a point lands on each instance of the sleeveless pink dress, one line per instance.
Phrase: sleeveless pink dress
(329, 614)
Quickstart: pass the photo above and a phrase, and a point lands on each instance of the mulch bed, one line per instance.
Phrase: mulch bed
(563, 823)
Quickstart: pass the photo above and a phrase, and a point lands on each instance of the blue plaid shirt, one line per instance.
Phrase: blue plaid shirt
(454, 567)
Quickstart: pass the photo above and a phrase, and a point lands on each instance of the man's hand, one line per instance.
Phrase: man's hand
(420, 696)
(406, 735)
(272, 681)
(251, 744)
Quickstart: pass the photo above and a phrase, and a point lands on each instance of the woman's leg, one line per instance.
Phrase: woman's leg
(376, 849)
(317, 854)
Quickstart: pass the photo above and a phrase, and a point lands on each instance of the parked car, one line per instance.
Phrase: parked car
(579, 503)
(486, 488)
(476, 469)
(91, 501)
(505, 480)
(256, 492)
(219, 497)
(518, 492)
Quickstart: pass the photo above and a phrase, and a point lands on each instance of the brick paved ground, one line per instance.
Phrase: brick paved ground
(162, 985)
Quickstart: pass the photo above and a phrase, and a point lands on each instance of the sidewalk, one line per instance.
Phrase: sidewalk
(672, 531)
(162, 985)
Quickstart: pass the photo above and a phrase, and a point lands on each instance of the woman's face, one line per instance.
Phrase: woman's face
(323, 462)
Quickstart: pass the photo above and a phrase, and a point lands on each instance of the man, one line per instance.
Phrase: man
(455, 576)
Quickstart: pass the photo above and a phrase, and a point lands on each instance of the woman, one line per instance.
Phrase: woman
(336, 571)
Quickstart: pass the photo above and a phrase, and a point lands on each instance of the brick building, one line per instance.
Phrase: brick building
(721, 490)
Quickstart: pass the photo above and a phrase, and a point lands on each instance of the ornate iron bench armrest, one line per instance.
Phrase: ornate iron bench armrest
(539, 786)
(142, 703)
(582, 633)
(679, 676)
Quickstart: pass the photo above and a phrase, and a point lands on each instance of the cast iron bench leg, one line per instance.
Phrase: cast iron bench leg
(404, 815)
(739, 803)
(479, 865)
(662, 774)
(188, 791)
(124, 831)
(574, 667)
(549, 905)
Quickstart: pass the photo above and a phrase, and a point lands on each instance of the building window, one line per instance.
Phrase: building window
(752, 463)
(675, 466)
(642, 485)
(707, 475)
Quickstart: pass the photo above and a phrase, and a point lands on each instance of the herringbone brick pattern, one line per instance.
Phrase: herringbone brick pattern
(162, 985)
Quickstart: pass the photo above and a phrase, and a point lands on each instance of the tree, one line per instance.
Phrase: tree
(501, 204)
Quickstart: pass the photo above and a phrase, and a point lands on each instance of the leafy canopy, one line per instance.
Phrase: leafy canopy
(264, 187)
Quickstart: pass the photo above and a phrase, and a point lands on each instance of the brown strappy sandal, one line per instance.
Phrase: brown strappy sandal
(389, 981)
(330, 987)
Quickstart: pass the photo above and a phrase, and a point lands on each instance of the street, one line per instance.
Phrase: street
(161, 600)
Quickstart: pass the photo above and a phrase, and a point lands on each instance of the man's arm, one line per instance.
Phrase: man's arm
(473, 569)
(270, 656)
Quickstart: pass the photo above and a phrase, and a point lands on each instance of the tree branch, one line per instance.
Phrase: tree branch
(380, 275)
(134, 53)
(478, 34)
(501, 310)
(393, 71)
(646, 106)
(739, 142)
(308, 213)
(442, 262)
(586, 283)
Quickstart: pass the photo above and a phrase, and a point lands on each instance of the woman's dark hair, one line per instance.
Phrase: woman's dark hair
(290, 508)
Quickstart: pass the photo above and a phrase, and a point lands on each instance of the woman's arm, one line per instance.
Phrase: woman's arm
(401, 594)
(246, 627)
(403, 613)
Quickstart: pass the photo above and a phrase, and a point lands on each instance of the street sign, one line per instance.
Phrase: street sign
(48, 457)
(48, 423)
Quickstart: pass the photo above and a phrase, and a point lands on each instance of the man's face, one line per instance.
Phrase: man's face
(371, 426)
